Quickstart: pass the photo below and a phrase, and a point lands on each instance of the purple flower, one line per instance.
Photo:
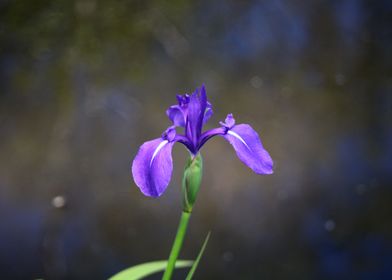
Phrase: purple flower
(153, 165)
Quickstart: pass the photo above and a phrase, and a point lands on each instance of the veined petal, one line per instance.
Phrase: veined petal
(249, 149)
(152, 167)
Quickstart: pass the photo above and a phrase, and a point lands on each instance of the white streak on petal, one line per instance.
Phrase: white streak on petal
(232, 133)
(160, 146)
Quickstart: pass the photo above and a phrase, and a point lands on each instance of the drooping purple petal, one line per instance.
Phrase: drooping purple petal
(152, 167)
(247, 144)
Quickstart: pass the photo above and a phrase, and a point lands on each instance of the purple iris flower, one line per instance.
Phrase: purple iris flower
(153, 165)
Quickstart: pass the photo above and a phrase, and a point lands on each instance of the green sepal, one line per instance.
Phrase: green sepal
(191, 181)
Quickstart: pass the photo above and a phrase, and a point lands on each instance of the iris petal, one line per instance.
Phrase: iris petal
(247, 144)
(152, 167)
(176, 115)
(208, 113)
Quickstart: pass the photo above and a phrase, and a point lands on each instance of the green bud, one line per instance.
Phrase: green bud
(191, 181)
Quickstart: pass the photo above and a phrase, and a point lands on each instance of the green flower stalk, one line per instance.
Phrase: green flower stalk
(190, 187)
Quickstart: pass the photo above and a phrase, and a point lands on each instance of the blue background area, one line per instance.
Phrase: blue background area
(84, 83)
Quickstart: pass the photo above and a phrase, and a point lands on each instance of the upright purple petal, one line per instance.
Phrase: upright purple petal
(208, 113)
(196, 110)
(183, 99)
(247, 145)
(176, 115)
(229, 121)
(152, 167)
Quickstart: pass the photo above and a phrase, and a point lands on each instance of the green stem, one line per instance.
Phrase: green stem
(182, 226)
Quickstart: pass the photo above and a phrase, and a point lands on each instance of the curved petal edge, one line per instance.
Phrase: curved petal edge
(152, 167)
(247, 144)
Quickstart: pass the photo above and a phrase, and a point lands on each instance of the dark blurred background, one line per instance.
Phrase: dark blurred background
(84, 83)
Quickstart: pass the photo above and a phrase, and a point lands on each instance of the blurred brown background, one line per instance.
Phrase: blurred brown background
(85, 82)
